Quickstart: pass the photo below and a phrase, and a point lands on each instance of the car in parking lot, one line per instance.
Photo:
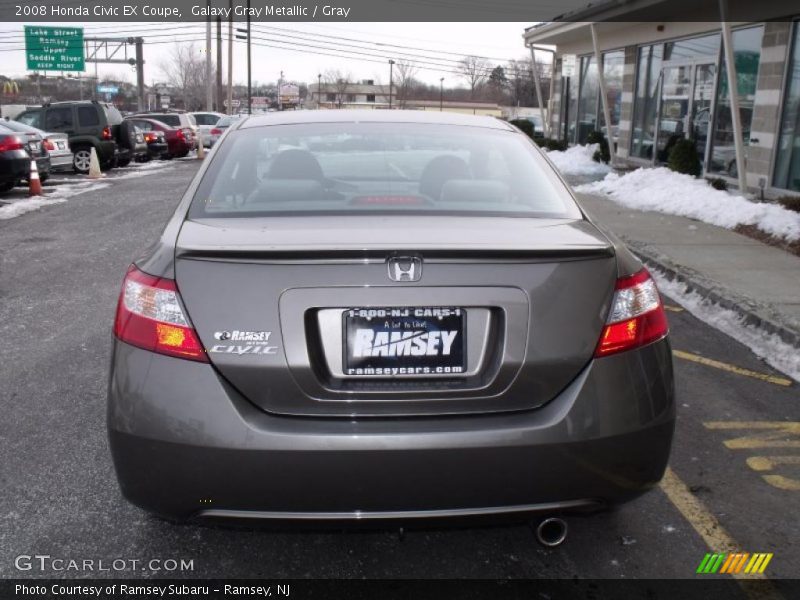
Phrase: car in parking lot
(221, 126)
(34, 142)
(88, 123)
(205, 123)
(367, 315)
(15, 162)
(178, 140)
(182, 121)
(56, 145)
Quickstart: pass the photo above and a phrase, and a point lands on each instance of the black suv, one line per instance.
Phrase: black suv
(88, 124)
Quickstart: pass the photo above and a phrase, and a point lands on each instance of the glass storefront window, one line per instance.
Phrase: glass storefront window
(613, 64)
(746, 56)
(706, 46)
(645, 103)
(787, 162)
(587, 102)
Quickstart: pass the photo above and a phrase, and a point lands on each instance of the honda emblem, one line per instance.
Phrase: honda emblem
(405, 268)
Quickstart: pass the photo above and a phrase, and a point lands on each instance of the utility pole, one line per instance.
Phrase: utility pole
(219, 64)
(229, 108)
(391, 64)
(319, 90)
(246, 36)
(209, 96)
(280, 85)
(441, 93)
(139, 73)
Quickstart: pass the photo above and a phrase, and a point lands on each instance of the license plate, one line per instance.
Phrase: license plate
(404, 341)
(60, 145)
(35, 147)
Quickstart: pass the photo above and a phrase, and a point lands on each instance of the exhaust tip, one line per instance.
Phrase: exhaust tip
(551, 532)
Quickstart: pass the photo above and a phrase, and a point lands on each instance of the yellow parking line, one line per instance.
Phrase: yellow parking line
(714, 535)
(717, 364)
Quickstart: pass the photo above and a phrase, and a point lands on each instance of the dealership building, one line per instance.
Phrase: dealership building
(662, 81)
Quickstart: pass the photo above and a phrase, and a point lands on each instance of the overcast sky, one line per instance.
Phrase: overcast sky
(438, 45)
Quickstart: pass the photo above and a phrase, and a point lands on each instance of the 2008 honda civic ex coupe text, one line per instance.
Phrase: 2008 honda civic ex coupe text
(385, 314)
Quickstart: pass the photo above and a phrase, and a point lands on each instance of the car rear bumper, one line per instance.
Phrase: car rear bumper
(61, 162)
(185, 444)
(14, 166)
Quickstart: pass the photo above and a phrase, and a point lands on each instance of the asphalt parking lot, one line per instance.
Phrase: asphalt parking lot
(733, 484)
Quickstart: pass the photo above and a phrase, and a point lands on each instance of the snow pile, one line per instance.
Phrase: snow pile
(666, 191)
(577, 160)
(767, 346)
(57, 196)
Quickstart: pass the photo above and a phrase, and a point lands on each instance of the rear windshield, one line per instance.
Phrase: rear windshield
(324, 168)
(173, 120)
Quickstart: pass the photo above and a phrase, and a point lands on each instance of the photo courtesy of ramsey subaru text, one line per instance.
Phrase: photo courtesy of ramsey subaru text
(385, 315)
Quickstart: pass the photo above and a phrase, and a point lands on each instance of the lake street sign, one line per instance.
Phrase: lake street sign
(54, 48)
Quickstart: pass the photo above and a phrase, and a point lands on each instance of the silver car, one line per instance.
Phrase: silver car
(385, 315)
(206, 121)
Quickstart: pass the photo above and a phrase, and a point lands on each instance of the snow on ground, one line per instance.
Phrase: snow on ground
(666, 191)
(577, 160)
(141, 170)
(767, 346)
(52, 195)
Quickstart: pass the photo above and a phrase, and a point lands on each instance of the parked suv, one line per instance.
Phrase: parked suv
(89, 124)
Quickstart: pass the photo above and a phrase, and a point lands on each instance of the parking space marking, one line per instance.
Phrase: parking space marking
(672, 308)
(773, 434)
(768, 463)
(717, 364)
(713, 533)
(770, 434)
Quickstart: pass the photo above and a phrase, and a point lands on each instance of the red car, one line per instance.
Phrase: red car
(180, 140)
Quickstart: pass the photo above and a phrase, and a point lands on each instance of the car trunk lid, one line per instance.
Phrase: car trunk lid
(273, 301)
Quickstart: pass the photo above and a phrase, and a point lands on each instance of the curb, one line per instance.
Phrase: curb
(752, 313)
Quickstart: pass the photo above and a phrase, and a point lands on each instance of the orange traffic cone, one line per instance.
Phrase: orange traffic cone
(34, 184)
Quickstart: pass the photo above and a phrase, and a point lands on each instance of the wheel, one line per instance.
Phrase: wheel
(6, 187)
(44, 177)
(123, 162)
(81, 159)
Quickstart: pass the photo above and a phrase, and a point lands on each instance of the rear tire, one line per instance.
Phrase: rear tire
(6, 187)
(81, 158)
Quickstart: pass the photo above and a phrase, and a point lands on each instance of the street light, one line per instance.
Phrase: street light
(441, 93)
(391, 64)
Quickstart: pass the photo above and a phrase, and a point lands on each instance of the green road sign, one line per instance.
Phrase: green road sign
(54, 48)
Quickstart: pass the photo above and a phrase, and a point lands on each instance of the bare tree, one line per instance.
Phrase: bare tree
(184, 69)
(339, 81)
(475, 71)
(406, 72)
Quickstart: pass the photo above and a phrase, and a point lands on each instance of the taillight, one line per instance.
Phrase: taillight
(11, 142)
(149, 137)
(48, 145)
(216, 131)
(106, 133)
(149, 315)
(637, 316)
(181, 135)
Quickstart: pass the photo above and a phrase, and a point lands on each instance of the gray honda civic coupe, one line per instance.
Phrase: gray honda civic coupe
(359, 315)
